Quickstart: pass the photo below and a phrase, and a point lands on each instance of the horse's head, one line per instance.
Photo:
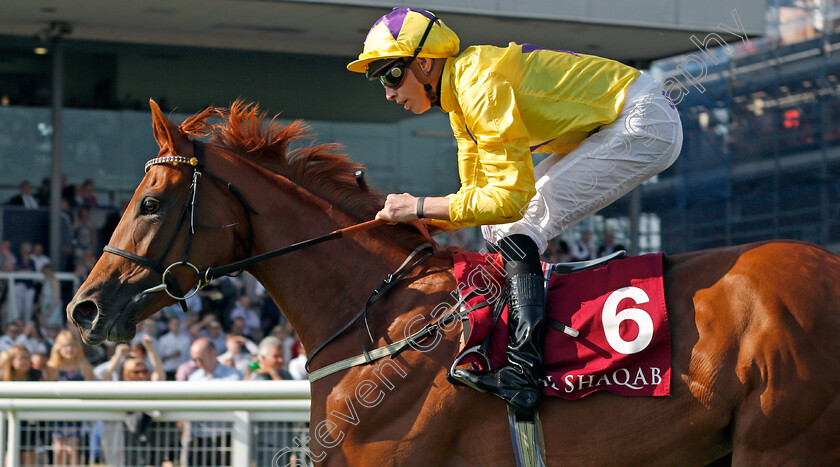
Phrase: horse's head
(162, 238)
(190, 217)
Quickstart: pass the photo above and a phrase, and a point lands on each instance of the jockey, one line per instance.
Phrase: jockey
(607, 126)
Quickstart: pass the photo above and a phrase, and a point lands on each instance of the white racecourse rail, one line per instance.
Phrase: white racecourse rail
(242, 406)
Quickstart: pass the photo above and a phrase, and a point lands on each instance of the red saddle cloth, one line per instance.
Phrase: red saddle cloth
(624, 345)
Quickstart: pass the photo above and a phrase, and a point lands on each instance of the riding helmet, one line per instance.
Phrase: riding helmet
(398, 34)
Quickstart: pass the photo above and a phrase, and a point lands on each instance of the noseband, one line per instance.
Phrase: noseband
(169, 284)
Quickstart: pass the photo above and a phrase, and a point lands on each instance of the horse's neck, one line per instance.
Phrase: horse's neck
(320, 288)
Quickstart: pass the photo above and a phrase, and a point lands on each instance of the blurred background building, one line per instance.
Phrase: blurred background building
(761, 157)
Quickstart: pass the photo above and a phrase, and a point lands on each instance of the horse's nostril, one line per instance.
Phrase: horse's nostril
(85, 310)
(85, 314)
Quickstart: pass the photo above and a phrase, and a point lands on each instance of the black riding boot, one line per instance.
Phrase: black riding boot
(518, 383)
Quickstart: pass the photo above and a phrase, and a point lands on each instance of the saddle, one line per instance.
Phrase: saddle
(606, 324)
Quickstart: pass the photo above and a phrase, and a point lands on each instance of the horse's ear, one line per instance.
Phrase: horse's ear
(167, 133)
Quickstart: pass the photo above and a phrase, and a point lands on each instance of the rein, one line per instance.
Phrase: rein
(386, 285)
(212, 273)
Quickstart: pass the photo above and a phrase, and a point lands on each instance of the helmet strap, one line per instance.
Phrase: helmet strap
(426, 78)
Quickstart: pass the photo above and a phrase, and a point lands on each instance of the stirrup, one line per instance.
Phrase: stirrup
(476, 349)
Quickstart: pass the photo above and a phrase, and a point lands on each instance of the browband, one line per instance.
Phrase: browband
(193, 161)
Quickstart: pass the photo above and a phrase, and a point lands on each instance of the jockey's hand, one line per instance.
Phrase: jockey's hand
(399, 208)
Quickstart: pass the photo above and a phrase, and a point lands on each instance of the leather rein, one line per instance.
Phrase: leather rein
(170, 286)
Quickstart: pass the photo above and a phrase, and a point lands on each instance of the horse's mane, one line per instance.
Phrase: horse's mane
(245, 130)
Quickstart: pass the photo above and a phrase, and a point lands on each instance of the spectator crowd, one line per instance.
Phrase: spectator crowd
(231, 331)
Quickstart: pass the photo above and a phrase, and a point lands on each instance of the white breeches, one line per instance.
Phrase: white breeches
(644, 140)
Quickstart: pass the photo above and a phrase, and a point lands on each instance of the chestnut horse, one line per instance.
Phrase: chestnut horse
(755, 328)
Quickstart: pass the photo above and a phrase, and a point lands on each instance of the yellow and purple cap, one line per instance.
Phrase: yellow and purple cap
(398, 34)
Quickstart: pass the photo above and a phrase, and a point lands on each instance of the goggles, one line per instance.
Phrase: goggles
(391, 71)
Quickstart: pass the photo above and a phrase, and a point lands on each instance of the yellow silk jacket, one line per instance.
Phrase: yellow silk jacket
(504, 104)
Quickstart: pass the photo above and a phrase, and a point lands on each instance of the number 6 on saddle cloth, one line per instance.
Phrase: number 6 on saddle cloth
(618, 307)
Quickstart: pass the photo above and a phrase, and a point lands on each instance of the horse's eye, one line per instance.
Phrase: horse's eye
(150, 206)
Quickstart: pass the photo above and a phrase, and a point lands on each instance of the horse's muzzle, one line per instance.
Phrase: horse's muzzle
(84, 315)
